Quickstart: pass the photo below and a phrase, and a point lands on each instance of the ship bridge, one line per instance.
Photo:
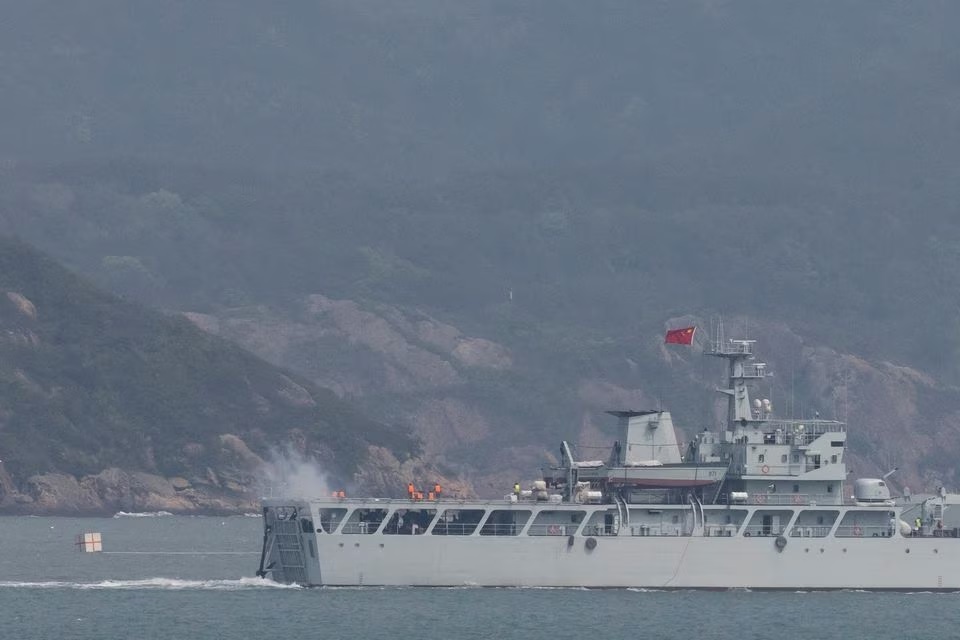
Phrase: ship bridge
(766, 454)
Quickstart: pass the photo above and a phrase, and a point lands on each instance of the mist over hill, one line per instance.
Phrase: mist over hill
(476, 220)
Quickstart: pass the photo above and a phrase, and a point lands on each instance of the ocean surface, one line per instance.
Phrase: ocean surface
(192, 578)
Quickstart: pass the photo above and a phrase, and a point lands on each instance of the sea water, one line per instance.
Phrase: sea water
(193, 578)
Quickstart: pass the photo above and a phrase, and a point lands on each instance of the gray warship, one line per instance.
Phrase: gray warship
(758, 504)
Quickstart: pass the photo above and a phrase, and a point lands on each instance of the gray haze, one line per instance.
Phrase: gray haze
(818, 91)
(474, 220)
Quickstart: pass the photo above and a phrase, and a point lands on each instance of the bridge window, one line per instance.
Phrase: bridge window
(505, 522)
(767, 522)
(364, 521)
(812, 523)
(556, 523)
(760, 458)
(601, 523)
(330, 519)
(409, 521)
(458, 522)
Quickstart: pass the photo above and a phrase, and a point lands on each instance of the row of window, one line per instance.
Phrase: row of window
(796, 458)
(510, 522)
(451, 522)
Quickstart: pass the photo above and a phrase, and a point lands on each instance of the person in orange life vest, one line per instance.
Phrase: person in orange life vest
(411, 490)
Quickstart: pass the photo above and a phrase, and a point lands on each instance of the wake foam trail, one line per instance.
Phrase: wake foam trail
(142, 514)
(166, 584)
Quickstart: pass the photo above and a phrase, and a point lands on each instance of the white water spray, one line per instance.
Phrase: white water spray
(289, 473)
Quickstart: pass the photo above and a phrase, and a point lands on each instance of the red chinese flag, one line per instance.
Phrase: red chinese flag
(680, 336)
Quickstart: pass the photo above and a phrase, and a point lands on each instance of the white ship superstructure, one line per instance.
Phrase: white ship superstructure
(759, 504)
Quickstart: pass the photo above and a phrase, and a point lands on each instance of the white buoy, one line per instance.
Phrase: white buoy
(90, 542)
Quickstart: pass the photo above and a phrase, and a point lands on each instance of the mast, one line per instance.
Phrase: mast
(740, 370)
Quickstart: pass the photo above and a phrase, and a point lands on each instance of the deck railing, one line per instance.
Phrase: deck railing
(801, 531)
(792, 499)
(761, 531)
(555, 529)
(865, 531)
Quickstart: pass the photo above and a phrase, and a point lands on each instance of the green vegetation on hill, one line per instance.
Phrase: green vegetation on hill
(89, 381)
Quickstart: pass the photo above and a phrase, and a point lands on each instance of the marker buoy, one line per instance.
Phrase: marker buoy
(90, 542)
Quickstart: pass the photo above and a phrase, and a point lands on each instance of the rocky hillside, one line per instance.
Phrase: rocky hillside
(106, 405)
(491, 412)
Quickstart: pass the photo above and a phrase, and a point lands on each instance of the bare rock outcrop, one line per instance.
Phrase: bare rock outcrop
(113, 490)
(23, 305)
(61, 493)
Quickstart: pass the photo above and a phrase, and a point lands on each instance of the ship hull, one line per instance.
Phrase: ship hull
(655, 563)
(295, 551)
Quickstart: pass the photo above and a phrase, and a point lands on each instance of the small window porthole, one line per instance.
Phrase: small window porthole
(829, 488)
(783, 458)
(833, 458)
(676, 519)
(760, 458)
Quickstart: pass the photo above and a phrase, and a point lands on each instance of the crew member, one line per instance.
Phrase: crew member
(411, 490)
(437, 489)
(341, 494)
(918, 525)
(516, 489)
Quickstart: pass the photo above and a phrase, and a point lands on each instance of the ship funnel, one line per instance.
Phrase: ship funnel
(647, 436)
